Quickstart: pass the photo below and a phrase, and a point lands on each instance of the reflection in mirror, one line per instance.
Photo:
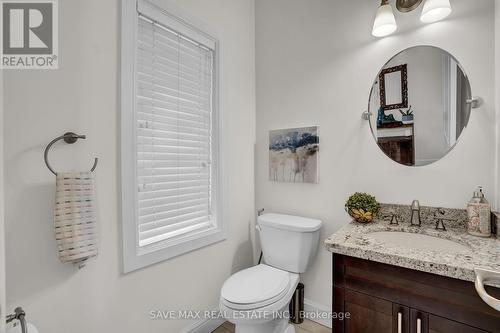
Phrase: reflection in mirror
(393, 86)
(419, 105)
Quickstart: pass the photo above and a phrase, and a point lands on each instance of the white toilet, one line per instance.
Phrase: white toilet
(256, 299)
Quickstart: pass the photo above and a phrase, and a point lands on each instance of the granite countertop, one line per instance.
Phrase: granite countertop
(354, 240)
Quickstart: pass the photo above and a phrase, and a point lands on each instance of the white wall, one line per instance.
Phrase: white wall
(83, 96)
(3, 310)
(497, 94)
(316, 62)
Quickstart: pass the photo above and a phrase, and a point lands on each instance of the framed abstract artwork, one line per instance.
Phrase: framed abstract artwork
(293, 155)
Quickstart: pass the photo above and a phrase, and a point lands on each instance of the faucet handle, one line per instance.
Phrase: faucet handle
(415, 205)
(394, 220)
(440, 224)
(440, 211)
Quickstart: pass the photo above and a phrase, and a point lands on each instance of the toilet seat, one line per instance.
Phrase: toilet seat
(255, 287)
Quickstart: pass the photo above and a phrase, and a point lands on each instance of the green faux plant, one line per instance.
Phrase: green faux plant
(408, 112)
(362, 207)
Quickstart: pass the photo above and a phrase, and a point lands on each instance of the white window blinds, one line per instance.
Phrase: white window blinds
(173, 112)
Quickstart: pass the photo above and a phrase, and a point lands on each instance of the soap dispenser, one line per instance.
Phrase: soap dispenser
(479, 215)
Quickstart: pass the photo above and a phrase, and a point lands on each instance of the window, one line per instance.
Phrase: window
(170, 134)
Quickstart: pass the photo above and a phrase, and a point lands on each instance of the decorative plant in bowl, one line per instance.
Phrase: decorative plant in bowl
(362, 207)
(407, 116)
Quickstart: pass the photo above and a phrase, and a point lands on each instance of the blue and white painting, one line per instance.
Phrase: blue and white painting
(293, 155)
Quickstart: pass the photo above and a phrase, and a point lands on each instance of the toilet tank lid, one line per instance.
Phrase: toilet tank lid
(289, 222)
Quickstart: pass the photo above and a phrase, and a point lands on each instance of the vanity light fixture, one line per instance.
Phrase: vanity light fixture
(435, 10)
(385, 22)
(405, 6)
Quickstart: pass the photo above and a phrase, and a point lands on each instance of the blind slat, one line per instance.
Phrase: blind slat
(150, 67)
(171, 95)
(157, 149)
(145, 164)
(168, 36)
(149, 222)
(194, 82)
(144, 204)
(148, 156)
(171, 142)
(172, 98)
(174, 104)
(150, 195)
(168, 118)
(168, 47)
(192, 89)
(175, 185)
(165, 115)
(159, 209)
(163, 131)
(171, 170)
(170, 58)
(158, 181)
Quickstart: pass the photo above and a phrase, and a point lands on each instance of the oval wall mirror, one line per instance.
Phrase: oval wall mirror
(420, 105)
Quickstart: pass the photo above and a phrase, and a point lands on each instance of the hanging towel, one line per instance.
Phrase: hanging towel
(74, 217)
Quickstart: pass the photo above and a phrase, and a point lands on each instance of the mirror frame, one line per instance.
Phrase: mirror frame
(404, 87)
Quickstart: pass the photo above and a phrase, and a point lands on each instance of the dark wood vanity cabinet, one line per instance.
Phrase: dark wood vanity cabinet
(383, 298)
(400, 149)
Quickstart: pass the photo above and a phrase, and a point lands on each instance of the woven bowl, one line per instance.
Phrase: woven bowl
(361, 216)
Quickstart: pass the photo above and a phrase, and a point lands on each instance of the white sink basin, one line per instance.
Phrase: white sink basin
(417, 241)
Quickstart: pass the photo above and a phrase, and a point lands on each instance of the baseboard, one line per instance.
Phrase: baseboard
(312, 307)
(203, 326)
(209, 325)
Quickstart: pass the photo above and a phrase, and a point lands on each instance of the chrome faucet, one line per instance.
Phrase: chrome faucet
(415, 208)
(440, 217)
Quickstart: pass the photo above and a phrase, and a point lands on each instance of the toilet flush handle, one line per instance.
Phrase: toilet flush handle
(259, 213)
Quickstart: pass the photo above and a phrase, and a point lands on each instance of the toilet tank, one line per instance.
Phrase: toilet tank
(288, 242)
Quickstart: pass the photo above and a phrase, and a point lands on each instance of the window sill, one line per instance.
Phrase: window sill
(154, 255)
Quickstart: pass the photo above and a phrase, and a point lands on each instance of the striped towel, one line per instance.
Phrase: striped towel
(74, 217)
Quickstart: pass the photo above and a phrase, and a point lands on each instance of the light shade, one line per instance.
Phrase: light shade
(385, 22)
(435, 10)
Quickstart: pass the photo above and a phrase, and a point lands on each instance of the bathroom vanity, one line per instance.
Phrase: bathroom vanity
(412, 279)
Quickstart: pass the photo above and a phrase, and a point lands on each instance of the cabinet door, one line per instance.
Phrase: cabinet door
(442, 325)
(374, 315)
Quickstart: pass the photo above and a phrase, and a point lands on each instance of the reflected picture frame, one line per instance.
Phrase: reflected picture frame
(403, 69)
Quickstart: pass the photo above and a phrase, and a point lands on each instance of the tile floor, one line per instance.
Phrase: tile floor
(306, 327)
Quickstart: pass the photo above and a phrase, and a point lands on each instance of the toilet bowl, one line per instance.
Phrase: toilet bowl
(256, 299)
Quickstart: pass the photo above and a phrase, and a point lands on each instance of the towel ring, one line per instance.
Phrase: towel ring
(69, 138)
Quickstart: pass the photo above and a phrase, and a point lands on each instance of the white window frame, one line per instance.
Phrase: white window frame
(135, 257)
